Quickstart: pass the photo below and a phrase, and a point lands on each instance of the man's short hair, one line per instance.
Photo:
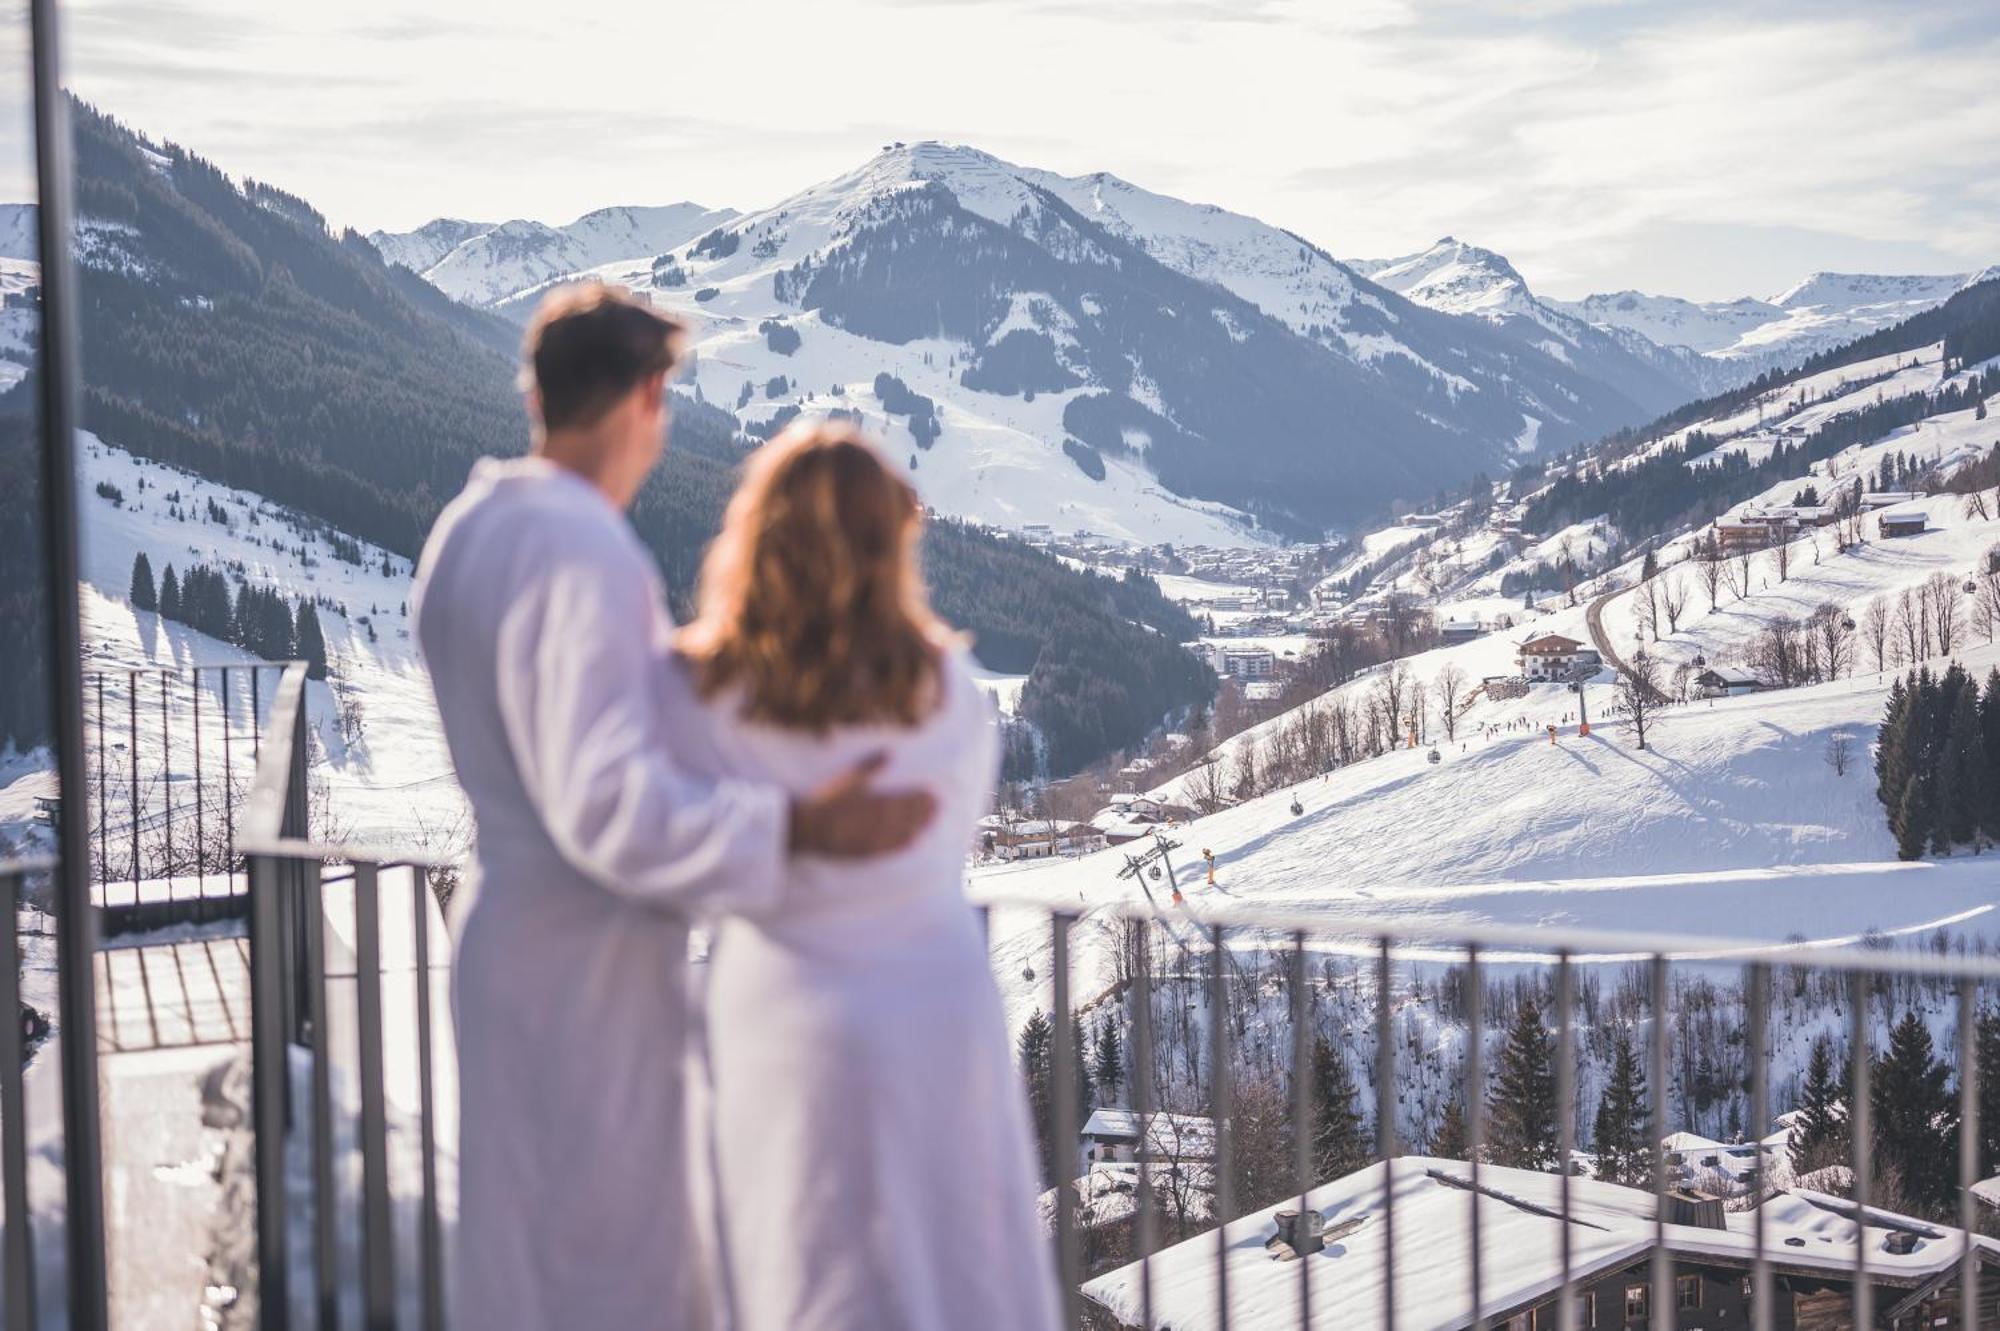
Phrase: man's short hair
(588, 346)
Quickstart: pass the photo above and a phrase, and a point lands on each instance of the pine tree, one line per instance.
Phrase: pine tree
(1989, 733)
(1109, 1072)
(170, 594)
(1915, 1119)
(1913, 823)
(1964, 781)
(311, 642)
(1892, 775)
(1034, 1051)
(1339, 1146)
(1524, 1095)
(1622, 1131)
(1819, 1132)
(143, 595)
(1080, 1073)
(1451, 1140)
(1989, 1094)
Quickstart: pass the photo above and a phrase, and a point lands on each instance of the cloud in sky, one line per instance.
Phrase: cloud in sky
(1680, 145)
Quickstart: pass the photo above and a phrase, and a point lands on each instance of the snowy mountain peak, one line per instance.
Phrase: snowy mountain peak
(1455, 278)
(1849, 291)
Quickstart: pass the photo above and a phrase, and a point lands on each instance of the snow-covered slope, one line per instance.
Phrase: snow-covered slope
(1454, 277)
(481, 263)
(17, 232)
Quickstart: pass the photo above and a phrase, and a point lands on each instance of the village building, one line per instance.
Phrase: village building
(1736, 537)
(1113, 1136)
(1727, 682)
(1874, 499)
(1039, 838)
(1456, 631)
(1902, 524)
(1552, 656)
(1809, 1243)
(1248, 663)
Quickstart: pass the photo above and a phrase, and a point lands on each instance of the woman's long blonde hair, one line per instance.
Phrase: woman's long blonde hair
(810, 597)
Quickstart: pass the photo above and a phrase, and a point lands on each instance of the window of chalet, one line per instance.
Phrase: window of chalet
(1635, 1301)
(1689, 1290)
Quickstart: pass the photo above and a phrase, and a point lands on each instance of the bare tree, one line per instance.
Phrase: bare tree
(1834, 633)
(1839, 752)
(1986, 604)
(1639, 692)
(1781, 553)
(1912, 627)
(1708, 567)
(1875, 632)
(1941, 607)
(1673, 598)
(1649, 609)
(1420, 694)
(1204, 787)
(1741, 565)
(1450, 684)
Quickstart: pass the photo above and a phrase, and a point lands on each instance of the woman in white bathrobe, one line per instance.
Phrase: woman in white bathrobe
(869, 1139)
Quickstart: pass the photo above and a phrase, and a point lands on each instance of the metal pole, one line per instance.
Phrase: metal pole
(1659, 1314)
(103, 792)
(1565, 1131)
(20, 1252)
(1062, 1122)
(378, 1269)
(167, 786)
(1861, 1133)
(1475, 1114)
(1385, 1129)
(132, 747)
(431, 1232)
(1760, 1128)
(76, 921)
(1302, 1108)
(200, 844)
(1142, 1109)
(1218, 1076)
(1968, 1151)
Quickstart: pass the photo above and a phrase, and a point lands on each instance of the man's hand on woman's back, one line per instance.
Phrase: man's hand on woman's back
(848, 819)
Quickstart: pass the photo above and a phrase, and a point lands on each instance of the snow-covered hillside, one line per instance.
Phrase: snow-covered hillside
(481, 263)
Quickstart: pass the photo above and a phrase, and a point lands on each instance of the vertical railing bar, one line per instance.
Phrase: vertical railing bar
(167, 783)
(1385, 1128)
(268, 1053)
(228, 791)
(431, 1233)
(1760, 1128)
(103, 795)
(378, 1272)
(1475, 1115)
(326, 1200)
(1302, 1109)
(1063, 1094)
(1142, 1108)
(1656, 1046)
(256, 713)
(132, 743)
(200, 823)
(1968, 1150)
(1565, 1131)
(1219, 1072)
(1860, 1131)
(20, 1250)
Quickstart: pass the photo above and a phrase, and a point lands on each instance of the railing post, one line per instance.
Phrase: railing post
(1968, 1150)
(326, 1200)
(269, 1055)
(1565, 1131)
(1063, 1132)
(76, 918)
(1861, 1132)
(1385, 1128)
(1302, 1107)
(1219, 1073)
(431, 1232)
(1475, 1116)
(1761, 1293)
(1142, 1109)
(1660, 1315)
(378, 1271)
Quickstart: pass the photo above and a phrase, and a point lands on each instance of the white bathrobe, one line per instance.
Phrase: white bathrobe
(869, 1137)
(543, 624)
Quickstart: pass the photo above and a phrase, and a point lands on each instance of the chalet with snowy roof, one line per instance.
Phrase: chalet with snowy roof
(1874, 499)
(1552, 656)
(1113, 1136)
(1456, 631)
(1809, 1242)
(1902, 524)
(1040, 838)
(1727, 682)
(1736, 537)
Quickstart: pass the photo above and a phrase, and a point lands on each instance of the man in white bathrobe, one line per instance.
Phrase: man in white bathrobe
(542, 620)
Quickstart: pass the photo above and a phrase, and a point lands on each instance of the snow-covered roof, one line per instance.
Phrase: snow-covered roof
(1551, 644)
(1167, 1134)
(1611, 1227)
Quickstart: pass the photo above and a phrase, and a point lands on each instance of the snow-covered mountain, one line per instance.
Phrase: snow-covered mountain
(1456, 278)
(1819, 312)
(17, 231)
(483, 262)
(1097, 356)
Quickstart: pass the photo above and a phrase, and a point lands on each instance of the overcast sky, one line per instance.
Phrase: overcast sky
(1701, 149)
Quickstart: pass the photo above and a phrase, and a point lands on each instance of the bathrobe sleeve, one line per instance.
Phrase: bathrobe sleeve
(579, 657)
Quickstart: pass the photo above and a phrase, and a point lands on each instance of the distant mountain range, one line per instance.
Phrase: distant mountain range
(1089, 354)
